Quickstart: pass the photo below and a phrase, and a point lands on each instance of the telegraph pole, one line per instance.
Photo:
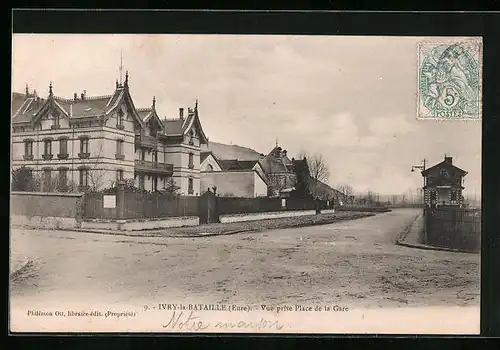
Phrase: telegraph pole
(421, 167)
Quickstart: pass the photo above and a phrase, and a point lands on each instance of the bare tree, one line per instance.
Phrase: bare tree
(318, 169)
(347, 191)
(96, 175)
(171, 187)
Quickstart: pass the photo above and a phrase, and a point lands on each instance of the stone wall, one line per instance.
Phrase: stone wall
(46, 210)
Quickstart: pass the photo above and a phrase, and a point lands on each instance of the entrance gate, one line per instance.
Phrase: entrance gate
(208, 208)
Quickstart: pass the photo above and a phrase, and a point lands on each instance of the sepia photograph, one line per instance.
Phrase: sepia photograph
(245, 184)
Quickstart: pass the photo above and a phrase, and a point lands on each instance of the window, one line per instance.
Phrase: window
(119, 119)
(63, 148)
(47, 149)
(63, 179)
(154, 184)
(453, 196)
(55, 117)
(190, 186)
(191, 136)
(143, 155)
(47, 179)
(210, 167)
(28, 150)
(84, 177)
(444, 172)
(191, 164)
(84, 147)
(119, 175)
(433, 195)
(154, 156)
(119, 150)
(141, 182)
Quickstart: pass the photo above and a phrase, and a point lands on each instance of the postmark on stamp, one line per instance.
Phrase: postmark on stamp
(449, 80)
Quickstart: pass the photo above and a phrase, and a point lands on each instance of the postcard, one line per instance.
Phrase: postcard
(245, 184)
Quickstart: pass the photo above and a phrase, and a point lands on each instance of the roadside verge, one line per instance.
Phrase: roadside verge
(237, 227)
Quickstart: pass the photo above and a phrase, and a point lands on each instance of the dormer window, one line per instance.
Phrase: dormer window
(191, 137)
(119, 120)
(55, 117)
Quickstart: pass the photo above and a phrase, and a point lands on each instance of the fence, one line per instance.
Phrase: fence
(142, 205)
(235, 205)
(359, 208)
(138, 205)
(455, 228)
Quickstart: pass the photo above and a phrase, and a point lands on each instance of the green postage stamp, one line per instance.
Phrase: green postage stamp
(450, 80)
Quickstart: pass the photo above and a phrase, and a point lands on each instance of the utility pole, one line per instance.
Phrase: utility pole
(421, 168)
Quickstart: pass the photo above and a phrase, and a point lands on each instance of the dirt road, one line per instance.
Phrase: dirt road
(355, 261)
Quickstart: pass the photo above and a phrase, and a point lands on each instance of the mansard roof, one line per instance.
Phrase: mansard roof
(28, 107)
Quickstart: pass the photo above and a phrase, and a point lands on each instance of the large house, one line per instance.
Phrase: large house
(232, 177)
(93, 142)
(443, 184)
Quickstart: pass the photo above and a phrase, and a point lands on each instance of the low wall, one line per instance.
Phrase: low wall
(46, 210)
(365, 209)
(261, 216)
(43, 222)
(138, 225)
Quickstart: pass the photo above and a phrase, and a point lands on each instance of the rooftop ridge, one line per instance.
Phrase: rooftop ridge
(172, 119)
(145, 109)
(90, 98)
(98, 97)
(62, 99)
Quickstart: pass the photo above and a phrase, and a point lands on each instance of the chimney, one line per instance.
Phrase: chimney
(75, 96)
(181, 113)
(448, 160)
(84, 93)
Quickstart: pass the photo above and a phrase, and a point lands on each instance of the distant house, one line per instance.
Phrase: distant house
(326, 192)
(443, 184)
(279, 171)
(232, 177)
(224, 166)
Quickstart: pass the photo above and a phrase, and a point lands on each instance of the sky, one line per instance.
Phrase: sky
(350, 98)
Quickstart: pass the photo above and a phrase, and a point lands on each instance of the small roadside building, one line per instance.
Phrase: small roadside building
(443, 184)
